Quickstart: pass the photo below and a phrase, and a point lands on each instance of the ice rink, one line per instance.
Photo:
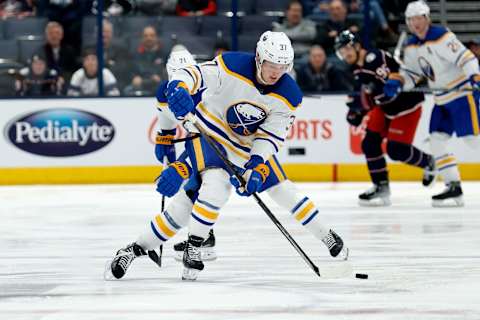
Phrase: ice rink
(423, 263)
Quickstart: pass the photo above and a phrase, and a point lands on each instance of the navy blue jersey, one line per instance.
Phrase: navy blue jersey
(369, 81)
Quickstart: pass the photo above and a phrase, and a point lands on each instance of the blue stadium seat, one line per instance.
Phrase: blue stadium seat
(210, 25)
(244, 6)
(135, 24)
(27, 46)
(275, 6)
(9, 49)
(14, 28)
(89, 26)
(180, 26)
(2, 27)
(199, 46)
(247, 43)
(7, 84)
(256, 25)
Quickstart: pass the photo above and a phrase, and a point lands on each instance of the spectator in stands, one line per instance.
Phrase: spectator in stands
(16, 8)
(84, 81)
(149, 62)
(384, 35)
(37, 79)
(336, 23)
(300, 31)
(186, 8)
(320, 75)
(221, 45)
(69, 13)
(116, 57)
(474, 46)
(60, 56)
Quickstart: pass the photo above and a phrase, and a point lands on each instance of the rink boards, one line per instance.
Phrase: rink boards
(111, 141)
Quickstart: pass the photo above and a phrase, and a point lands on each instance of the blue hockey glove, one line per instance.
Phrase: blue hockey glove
(255, 175)
(475, 81)
(164, 146)
(392, 88)
(172, 178)
(179, 100)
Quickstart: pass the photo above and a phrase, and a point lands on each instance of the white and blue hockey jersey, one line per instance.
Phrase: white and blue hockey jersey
(240, 114)
(443, 60)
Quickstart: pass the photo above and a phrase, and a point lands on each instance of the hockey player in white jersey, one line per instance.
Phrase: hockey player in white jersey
(435, 54)
(247, 107)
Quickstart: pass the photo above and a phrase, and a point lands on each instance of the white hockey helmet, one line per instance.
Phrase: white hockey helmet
(274, 47)
(179, 59)
(417, 8)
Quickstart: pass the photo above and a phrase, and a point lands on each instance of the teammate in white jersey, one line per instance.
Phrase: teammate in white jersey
(435, 54)
(241, 131)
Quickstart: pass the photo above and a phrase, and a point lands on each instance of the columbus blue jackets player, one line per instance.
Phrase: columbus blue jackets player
(434, 53)
(395, 119)
(247, 106)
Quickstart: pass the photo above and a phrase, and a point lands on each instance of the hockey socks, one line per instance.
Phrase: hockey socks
(372, 148)
(408, 154)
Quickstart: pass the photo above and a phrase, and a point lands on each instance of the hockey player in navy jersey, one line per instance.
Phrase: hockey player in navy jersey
(395, 119)
(435, 54)
(247, 106)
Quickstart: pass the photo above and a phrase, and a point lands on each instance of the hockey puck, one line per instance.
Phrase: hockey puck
(361, 275)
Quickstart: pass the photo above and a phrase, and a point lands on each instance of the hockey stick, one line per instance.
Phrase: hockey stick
(231, 169)
(440, 90)
(164, 163)
(398, 48)
(152, 254)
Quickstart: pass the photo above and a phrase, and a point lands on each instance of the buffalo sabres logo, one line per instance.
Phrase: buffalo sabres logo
(244, 118)
(426, 68)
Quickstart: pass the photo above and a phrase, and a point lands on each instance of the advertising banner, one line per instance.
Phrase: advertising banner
(120, 132)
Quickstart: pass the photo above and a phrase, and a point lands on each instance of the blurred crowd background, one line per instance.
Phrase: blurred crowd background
(49, 47)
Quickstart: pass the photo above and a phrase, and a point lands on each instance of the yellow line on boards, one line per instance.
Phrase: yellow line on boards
(147, 174)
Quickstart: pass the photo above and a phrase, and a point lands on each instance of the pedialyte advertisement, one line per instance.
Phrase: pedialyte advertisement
(121, 131)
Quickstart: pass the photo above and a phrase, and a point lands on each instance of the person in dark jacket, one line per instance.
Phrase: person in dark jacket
(37, 79)
(58, 55)
(336, 23)
(320, 75)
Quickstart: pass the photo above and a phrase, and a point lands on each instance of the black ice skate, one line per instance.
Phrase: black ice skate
(376, 196)
(429, 173)
(192, 262)
(207, 250)
(452, 196)
(122, 260)
(335, 245)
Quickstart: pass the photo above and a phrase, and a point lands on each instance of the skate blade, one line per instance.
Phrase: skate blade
(448, 203)
(107, 272)
(377, 202)
(343, 254)
(206, 254)
(190, 274)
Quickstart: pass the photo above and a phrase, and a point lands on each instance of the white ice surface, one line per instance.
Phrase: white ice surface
(423, 262)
